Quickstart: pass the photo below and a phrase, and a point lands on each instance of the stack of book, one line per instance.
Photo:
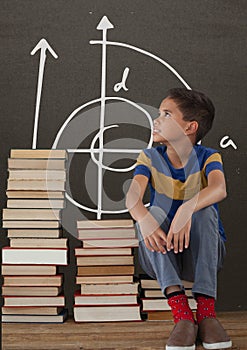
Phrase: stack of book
(32, 288)
(154, 304)
(105, 272)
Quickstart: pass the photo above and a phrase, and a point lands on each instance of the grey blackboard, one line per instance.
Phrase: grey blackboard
(205, 42)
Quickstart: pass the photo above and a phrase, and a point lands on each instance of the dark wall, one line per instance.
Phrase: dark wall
(205, 41)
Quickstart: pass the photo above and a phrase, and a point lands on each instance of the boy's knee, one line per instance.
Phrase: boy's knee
(205, 215)
(205, 223)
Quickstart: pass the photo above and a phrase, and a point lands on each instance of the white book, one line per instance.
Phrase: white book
(102, 251)
(36, 185)
(35, 318)
(34, 233)
(50, 164)
(162, 304)
(104, 279)
(111, 288)
(38, 153)
(110, 243)
(30, 224)
(106, 313)
(38, 243)
(105, 299)
(35, 194)
(104, 260)
(34, 301)
(31, 214)
(34, 256)
(37, 175)
(36, 203)
(28, 270)
(30, 291)
(31, 310)
(103, 224)
(33, 281)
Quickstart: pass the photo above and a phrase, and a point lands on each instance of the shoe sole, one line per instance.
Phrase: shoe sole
(215, 346)
(171, 347)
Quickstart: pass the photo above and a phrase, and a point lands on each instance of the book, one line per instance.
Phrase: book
(105, 270)
(30, 224)
(35, 185)
(104, 279)
(60, 318)
(38, 243)
(33, 301)
(111, 288)
(31, 281)
(30, 291)
(121, 299)
(102, 251)
(34, 256)
(104, 260)
(36, 194)
(159, 316)
(162, 304)
(31, 214)
(105, 233)
(35, 164)
(107, 313)
(153, 284)
(31, 310)
(28, 270)
(110, 243)
(35, 203)
(23, 174)
(38, 153)
(100, 224)
(155, 293)
(33, 233)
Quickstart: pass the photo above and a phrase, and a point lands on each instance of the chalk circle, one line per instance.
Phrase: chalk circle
(92, 151)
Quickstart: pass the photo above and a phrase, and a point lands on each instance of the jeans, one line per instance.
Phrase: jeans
(199, 263)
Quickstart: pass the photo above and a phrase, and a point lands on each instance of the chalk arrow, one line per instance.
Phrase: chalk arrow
(105, 24)
(42, 46)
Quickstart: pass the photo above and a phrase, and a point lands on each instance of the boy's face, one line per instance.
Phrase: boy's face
(169, 126)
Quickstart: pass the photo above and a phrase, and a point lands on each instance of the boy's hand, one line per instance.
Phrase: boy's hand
(179, 233)
(156, 241)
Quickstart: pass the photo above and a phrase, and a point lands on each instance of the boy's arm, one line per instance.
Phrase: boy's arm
(154, 236)
(179, 231)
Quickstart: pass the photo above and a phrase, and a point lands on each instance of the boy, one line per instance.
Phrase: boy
(181, 236)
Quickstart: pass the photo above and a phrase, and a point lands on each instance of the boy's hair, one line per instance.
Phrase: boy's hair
(195, 106)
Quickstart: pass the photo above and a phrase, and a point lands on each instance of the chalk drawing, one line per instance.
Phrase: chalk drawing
(105, 25)
(226, 142)
(122, 84)
(42, 46)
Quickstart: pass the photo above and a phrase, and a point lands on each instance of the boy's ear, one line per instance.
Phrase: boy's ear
(192, 128)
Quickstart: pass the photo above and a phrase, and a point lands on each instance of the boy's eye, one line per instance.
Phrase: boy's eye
(164, 114)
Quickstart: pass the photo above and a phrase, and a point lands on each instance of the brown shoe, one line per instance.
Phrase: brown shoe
(183, 336)
(213, 335)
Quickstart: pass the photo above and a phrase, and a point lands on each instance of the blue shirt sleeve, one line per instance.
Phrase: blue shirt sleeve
(142, 170)
(214, 162)
(143, 165)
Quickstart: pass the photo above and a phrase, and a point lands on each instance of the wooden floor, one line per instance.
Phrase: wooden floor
(150, 335)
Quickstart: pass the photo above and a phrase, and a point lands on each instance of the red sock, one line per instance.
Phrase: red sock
(205, 307)
(180, 308)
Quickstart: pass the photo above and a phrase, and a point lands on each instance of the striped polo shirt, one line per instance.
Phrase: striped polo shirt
(169, 186)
